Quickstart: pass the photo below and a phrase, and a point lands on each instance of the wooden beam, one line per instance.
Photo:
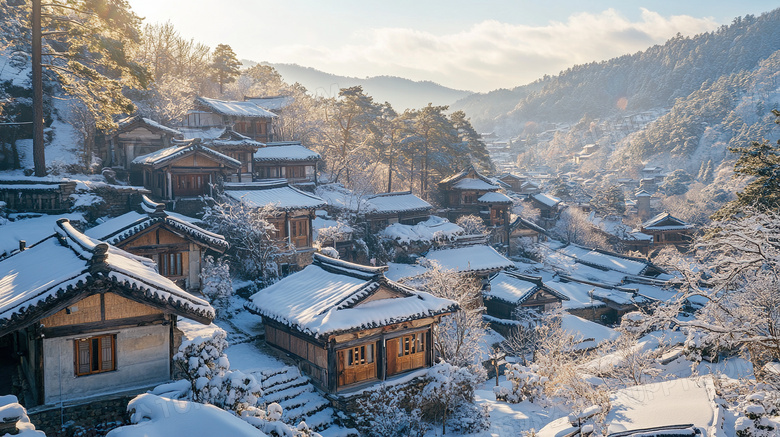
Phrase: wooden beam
(84, 328)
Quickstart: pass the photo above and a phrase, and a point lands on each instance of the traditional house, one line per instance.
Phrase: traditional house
(230, 143)
(510, 291)
(549, 208)
(173, 241)
(519, 184)
(294, 213)
(287, 160)
(460, 192)
(186, 169)
(136, 136)
(667, 229)
(246, 118)
(402, 207)
(471, 193)
(347, 325)
(521, 228)
(87, 319)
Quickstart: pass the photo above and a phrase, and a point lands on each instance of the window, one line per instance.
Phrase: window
(170, 264)
(412, 344)
(95, 354)
(359, 355)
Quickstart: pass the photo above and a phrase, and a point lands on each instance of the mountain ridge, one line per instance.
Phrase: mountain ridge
(400, 92)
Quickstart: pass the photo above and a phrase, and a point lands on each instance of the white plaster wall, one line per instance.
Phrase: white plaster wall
(142, 359)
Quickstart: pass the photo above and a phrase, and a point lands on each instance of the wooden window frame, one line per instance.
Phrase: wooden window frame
(358, 355)
(165, 264)
(410, 344)
(92, 367)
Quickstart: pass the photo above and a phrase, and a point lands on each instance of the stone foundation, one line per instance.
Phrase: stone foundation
(90, 419)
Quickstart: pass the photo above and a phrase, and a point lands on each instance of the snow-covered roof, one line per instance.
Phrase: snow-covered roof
(435, 228)
(137, 120)
(164, 156)
(546, 199)
(470, 179)
(209, 133)
(681, 405)
(474, 184)
(275, 192)
(600, 258)
(665, 222)
(235, 108)
(327, 298)
(231, 138)
(55, 271)
(642, 193)
(127, 225)
(475, 258)
(273, 103)
(516, 288)
(339, 197)
(286, 152)
(494, 197)
(31, 230)
(399, 201)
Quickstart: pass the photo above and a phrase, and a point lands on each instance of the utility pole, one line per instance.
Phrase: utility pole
(39, 158)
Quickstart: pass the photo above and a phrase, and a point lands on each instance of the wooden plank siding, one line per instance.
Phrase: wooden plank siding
(93, 311)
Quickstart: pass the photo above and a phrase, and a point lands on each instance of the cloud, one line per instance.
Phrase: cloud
(492, 54)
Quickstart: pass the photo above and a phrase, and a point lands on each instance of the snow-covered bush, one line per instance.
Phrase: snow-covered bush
(448, 398)
(390, 412)
(216, 282)
(203, 357)
(526, 381)
(472, 225)
(758, 414)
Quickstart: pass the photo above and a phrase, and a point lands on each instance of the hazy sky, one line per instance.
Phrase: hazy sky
(479, 45)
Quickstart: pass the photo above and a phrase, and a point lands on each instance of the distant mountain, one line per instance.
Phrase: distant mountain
(401, 93)
(651, 80)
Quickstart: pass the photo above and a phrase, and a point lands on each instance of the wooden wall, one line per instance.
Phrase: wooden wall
(98, 308)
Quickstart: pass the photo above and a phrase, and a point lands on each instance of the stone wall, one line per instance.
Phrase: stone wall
(117, 200)
(85, 420)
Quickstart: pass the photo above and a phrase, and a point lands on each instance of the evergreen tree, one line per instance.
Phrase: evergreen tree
(82, 47)
(762, 161)
(224, 66)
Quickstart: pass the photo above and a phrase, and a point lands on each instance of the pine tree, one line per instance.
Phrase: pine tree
(82, 46)
(762, 161)
(225, 66)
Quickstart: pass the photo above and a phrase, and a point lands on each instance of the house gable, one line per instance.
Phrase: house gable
(381, 293)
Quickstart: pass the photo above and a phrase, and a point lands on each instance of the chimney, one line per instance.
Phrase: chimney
(22, 245)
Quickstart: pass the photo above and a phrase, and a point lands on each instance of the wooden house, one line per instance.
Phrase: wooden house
(243, 117)
(667, 229)
(294, 212)
(187, 169)
(347, 325)
(403, 207)
(287, 160)
(521, 228)
(230, 143)
(549, 208)
(87, 319)
(136, 136)
(471, 193)
(511, 291)
(173, 241)
(519, 184)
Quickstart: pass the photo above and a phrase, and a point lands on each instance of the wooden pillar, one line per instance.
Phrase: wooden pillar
(381, 353)
(332, 367)
(169, 186)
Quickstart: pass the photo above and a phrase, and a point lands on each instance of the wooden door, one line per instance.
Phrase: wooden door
(356, 364)
(189, 184)
(391, 350)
